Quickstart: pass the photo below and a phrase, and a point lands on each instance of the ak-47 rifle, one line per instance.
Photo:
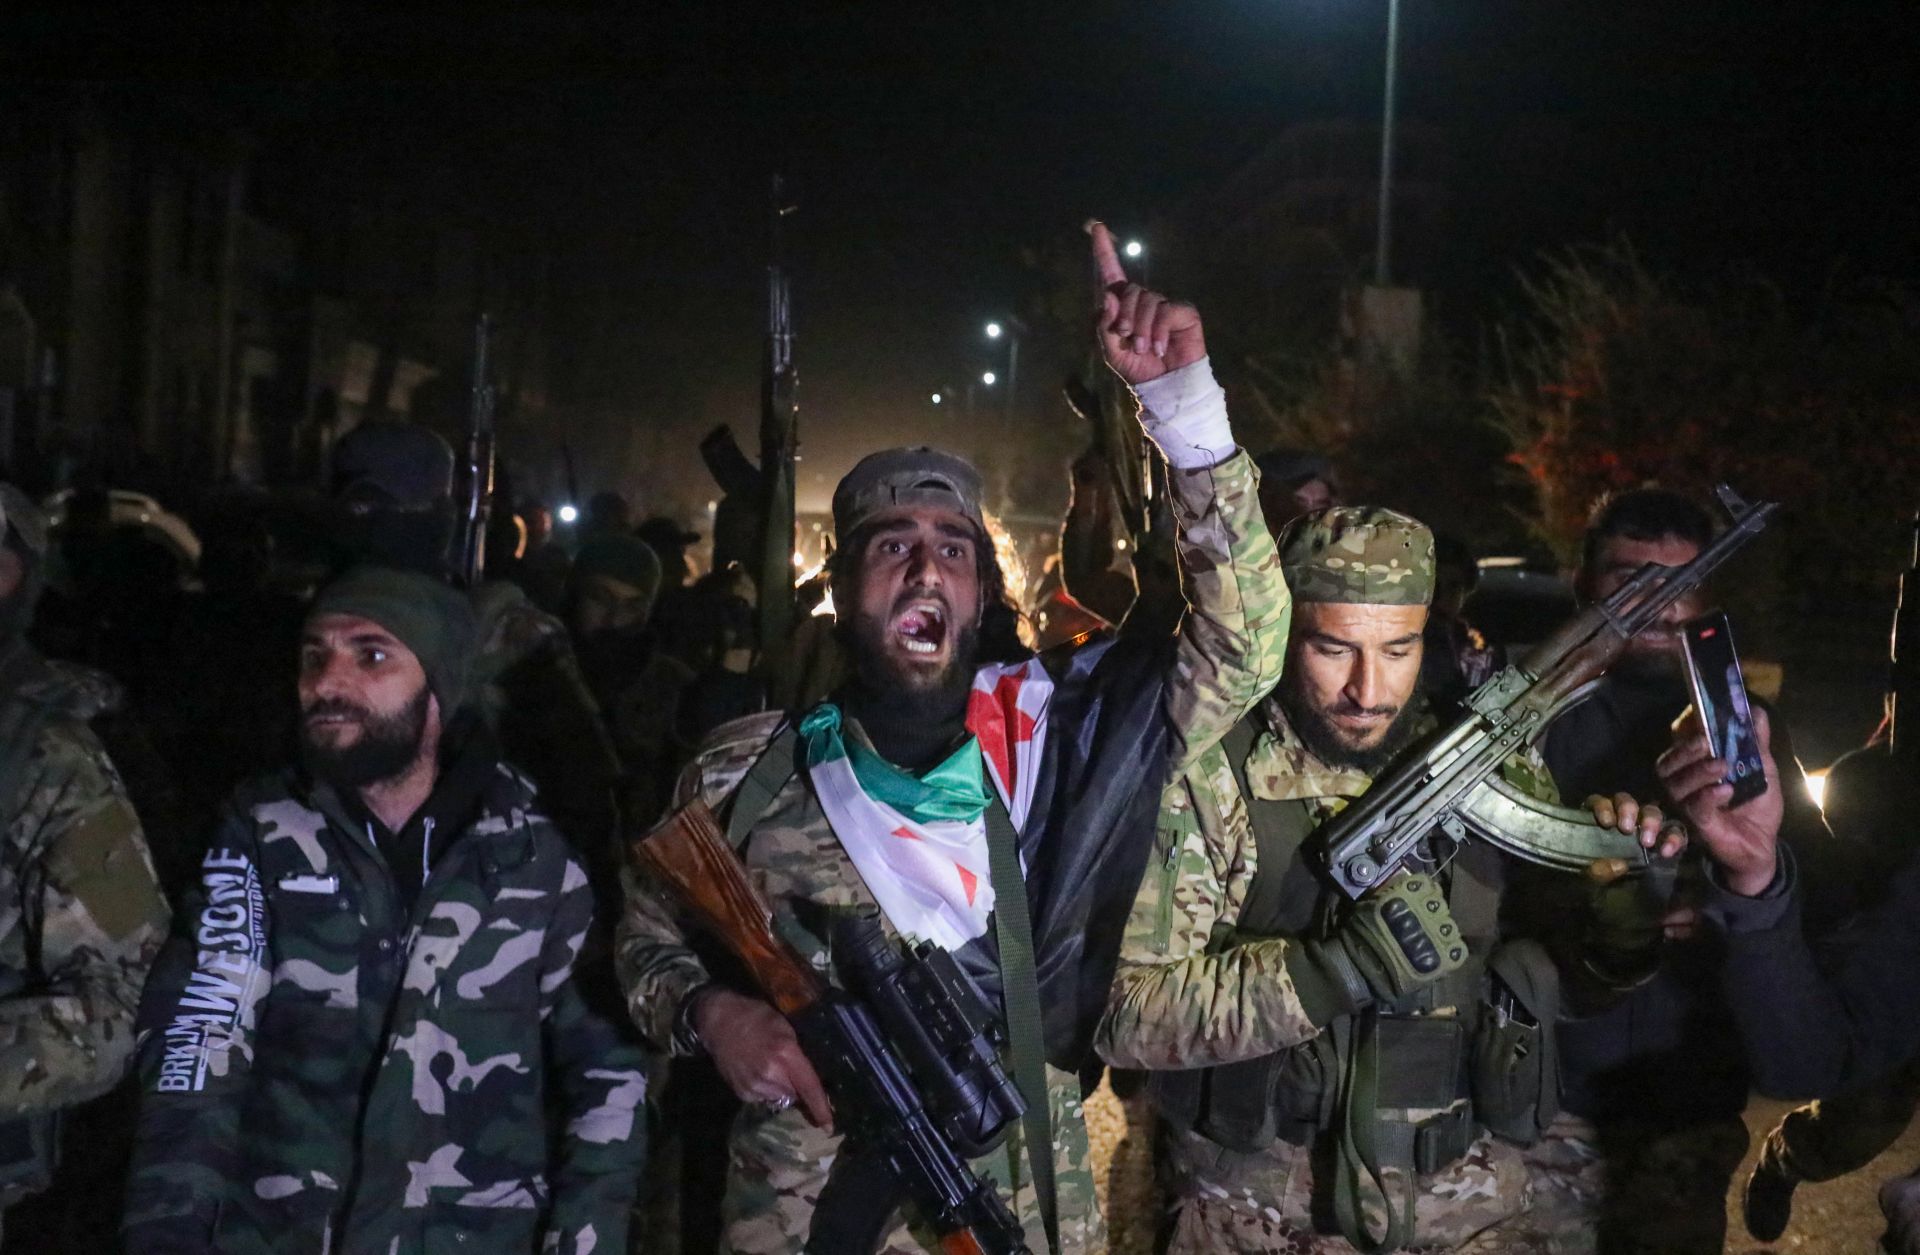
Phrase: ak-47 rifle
(479, 468)
(779, 442)
(1454, 788)
(1118, 441)
(916, 1027)
(1904, 684)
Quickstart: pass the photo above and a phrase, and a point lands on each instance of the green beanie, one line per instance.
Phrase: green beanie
(428, 617)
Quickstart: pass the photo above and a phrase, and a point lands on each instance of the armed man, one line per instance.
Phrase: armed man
(81, 912)
(1029, 786)
(1332, 1076)
(371, 1034)
(1655, 1076)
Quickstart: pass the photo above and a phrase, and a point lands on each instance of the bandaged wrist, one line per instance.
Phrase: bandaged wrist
(1185, 414)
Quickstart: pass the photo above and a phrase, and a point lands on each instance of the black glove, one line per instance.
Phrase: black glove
(1396, 939)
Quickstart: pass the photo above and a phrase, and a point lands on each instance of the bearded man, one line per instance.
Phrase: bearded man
(1326, 1074)
(370, 1037)
(952, 734)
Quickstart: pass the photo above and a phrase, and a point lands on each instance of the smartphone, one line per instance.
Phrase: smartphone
(1720, 695)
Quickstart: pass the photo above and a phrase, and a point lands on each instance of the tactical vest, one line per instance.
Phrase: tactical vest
(1461, 1054)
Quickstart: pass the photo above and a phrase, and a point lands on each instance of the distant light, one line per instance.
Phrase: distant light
(1121, 545)
(993, 331)
(1134, 248)
(712, 505)
(568, 514)
(799, 560)
(989, 378)
(936, 398)
(1817, 788)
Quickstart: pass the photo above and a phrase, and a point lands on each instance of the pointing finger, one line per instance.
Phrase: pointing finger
(1106, 260)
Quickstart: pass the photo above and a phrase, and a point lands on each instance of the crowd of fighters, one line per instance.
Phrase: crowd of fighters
(369, 972)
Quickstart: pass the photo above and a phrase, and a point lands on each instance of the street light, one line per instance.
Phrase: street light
(1134, 248)
(936, 398)
(1385, 216)
(993, 331)
(568, 513)
(989, 379)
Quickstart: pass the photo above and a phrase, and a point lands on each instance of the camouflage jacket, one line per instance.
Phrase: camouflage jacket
(1142, 708)
(81, 913)
(1176, 1003)
(323, 1070)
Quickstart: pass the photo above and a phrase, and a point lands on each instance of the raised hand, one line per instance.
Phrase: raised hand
(1142, 333)
(1743, 840)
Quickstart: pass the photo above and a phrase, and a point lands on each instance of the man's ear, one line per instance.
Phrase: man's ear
(13, 573)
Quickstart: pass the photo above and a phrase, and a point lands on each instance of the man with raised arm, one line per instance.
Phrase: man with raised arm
(886, 795)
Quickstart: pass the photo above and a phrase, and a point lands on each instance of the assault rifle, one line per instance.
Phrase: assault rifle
(479, 468)
(910, 1059)
(1454, 787)
(1904, 686)
(779, 443)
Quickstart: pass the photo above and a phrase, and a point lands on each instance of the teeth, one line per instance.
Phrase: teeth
(920, 647)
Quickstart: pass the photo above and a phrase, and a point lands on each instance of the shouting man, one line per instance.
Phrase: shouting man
(952, 733)
(369, 1033)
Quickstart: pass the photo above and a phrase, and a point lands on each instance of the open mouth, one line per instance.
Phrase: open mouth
(922, 627)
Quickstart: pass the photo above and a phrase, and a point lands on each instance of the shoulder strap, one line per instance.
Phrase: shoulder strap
(1280, 828)
(762, 783)
(1020, 986)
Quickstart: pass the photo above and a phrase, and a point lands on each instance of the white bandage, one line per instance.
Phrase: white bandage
(1185, 413)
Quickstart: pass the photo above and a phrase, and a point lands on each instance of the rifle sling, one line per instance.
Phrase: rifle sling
(762, 783)
(1020, 986)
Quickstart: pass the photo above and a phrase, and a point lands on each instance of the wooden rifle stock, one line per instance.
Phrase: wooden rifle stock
(689, 854)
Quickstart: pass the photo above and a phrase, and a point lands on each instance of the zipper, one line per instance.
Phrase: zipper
(426, 849)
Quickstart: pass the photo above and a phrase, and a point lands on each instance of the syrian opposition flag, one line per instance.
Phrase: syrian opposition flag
(920, 843)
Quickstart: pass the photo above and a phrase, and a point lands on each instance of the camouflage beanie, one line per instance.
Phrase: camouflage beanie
(1358, 554)
(433, 620)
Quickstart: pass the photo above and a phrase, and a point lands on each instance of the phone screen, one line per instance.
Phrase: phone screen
(1720, 695)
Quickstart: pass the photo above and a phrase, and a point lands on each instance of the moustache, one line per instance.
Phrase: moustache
(335, 706)
(1353, 709)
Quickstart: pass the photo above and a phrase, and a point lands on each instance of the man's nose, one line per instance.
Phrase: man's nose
(324, 679)
(922, 570)
(1364, 682)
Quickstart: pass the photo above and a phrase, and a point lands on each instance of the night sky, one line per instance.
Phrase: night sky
(932, 146)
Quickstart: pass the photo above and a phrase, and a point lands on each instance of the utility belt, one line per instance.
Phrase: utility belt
(1293, 1095)
(1396, 1089)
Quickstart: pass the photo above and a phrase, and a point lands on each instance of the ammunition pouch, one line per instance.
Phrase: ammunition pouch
(1515, 1072)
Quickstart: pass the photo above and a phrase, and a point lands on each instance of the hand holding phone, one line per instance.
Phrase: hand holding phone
(1720, 696)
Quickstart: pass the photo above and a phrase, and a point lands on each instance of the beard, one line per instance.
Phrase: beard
(918, 688)
(1330, 746)
(386, 747)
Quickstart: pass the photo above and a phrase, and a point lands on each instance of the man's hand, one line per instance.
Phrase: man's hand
(1621, 812)
(758, 1055)
(1143, 334)
(1744, 841)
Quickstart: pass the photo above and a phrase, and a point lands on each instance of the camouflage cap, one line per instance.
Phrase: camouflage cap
(25, 519)
(1361, 554)
(906, 477)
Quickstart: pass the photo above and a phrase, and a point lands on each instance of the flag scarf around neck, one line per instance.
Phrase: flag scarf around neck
(920, 842)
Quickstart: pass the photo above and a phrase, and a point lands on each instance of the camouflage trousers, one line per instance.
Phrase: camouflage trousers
(1830, 1138)
(779, 1164)
(1577, 1191)
(1279, 1201)
(1630, 1187)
